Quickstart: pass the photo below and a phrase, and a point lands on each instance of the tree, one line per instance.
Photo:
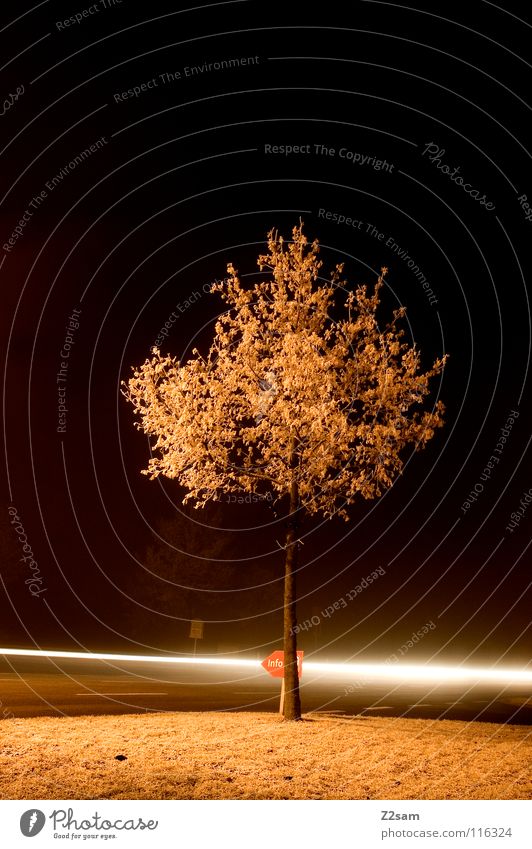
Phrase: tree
(316, 409)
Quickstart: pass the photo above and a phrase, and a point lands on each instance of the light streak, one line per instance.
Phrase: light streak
(396, 671)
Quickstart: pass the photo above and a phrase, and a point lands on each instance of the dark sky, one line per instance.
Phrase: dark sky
(413, 123)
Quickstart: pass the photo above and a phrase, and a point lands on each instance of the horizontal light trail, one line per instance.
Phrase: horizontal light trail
(357, 671)
(103, 695)
(423, 672)
(147, 658)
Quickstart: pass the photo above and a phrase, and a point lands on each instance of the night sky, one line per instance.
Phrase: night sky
(143, 149)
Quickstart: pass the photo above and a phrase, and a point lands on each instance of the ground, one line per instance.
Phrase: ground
(258, 756)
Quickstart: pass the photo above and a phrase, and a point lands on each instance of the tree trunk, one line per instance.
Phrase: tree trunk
(292, 701)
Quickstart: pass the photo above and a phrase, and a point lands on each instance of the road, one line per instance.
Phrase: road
(58, 686)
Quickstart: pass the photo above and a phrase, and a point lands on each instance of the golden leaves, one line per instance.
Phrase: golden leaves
(282, 376)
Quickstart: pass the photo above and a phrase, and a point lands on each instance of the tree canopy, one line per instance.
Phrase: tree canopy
(287, 389)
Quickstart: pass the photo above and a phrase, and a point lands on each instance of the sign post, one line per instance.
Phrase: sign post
(196, 632)
(274, 665)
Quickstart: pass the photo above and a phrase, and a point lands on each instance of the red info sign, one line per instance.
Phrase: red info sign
(274, 664)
